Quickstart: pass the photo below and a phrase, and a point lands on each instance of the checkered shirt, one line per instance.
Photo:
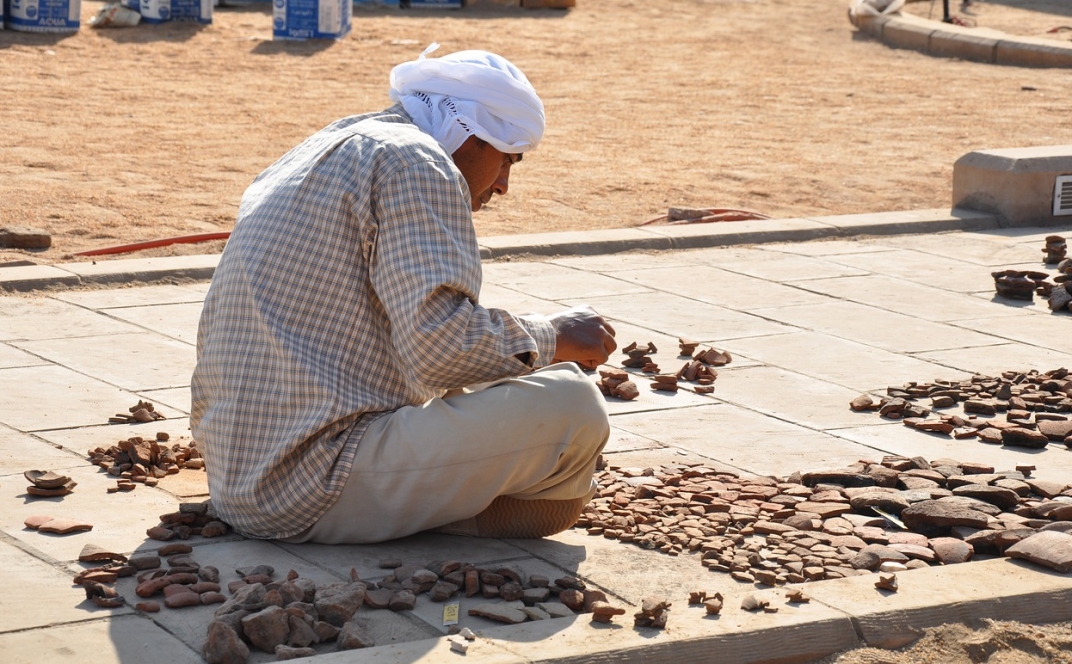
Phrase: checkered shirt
(348, 289)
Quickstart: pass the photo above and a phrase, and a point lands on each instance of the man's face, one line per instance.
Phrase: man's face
(485, 169)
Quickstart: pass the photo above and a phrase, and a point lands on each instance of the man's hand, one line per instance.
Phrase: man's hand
(582, 337)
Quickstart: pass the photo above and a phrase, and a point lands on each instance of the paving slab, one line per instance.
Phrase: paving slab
(38, 593)
(634, 260)
(776, 266)
(913, 221)
(681, 317)
(134, 296)
(54, 397)
(876, 327)
(80, 440)
(555, 282)
(1048, 332)
(830, 247)
(627, 441)
(744, 439)
(20, 452)
(119, 519)
(194, 266)
(993, 360)
(177, 398)
(495, 296)
(178, 321)
(789, 396)
(928, 269)
(120, 640)
(33, 318)
(28, 277)
(931, 302)
(11, 357)
(691, 236)
(978, 248)
(847, 363)
(715, 286)
(136, 362)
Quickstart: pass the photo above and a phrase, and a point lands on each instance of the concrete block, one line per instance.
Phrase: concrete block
(872, 25)
(1016, 184)
(1030, 52)
(34, 277)
(900, 33)
(197, 266)
(909, 221)
(695, 236)
(948, 44)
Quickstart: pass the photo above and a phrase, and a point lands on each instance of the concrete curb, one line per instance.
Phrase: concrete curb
(946, 40)
(579, 243)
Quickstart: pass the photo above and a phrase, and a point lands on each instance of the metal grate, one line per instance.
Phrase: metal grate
(1062, 196)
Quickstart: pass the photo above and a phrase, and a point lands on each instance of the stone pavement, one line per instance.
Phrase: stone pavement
(811, 325)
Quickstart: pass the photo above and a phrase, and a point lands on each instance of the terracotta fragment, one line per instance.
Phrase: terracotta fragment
(887, 582)
(64, 526)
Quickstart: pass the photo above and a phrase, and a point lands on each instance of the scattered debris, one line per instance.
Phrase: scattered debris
(752, 603)
(48, 484)
(616, 383)
(139, 461)
(885, 516)
(140, 413)
(57, 525)
(1056, 249)
(796, 596)
(887, 582)
(654, 612)
(1037, 407)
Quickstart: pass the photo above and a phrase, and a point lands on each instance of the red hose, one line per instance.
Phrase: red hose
(152, 244)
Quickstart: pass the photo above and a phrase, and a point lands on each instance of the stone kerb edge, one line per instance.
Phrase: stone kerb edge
(942, 40)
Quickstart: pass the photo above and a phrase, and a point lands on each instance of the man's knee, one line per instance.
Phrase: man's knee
(573, 394)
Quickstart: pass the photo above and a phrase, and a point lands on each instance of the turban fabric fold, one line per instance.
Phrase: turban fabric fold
(470, 93)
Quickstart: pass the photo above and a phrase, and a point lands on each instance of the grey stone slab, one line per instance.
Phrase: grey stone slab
(677, 316)
(178, 321)
(691, 236)
(720, 287)
(789, 396)
(11, 357)
(1027, 234)
(113, 298)
(32, 318)
(1049, 332)
(20, 452)
(137, 361)
(831, 247)
(175, 397)
(744, 439)
(992, 360)
(417, 549)
(978, 248)
(777, 266)
(189, 624)
(875, 327)
(910, 298)
(998, 589)
(1053, 462)
(633, 260)
(119, 519)
(37, 594)
(555, 282)
(927, 269)
(124, 639)
(847, 363)
(54, 397)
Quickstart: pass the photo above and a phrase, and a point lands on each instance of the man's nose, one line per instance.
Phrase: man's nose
(502, 182)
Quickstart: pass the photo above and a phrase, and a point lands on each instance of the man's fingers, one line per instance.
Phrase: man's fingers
(609, 329)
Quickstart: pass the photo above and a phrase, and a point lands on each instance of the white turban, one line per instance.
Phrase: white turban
(470, 93)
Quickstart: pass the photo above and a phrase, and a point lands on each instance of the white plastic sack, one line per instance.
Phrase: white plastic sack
(874, 7)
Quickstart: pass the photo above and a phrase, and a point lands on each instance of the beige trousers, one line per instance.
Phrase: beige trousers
(532, 437)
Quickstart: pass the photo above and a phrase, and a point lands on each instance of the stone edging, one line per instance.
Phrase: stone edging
(576, 243)
(955, 41)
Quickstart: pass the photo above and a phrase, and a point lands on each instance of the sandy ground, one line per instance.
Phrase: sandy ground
(122, 135)
(993, 642)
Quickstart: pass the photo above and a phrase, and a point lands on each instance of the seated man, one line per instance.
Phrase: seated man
(346, 305)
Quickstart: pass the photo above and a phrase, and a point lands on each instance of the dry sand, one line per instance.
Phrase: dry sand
(123, 135)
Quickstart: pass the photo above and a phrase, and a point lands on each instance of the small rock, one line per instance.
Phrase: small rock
(24, 237)
(64, 526)
(283, 653)
(402, 600)
(1047, 548)
(223, 646)
(499, 612)
(354, 635)
(604, 613)
(887, 582)
(752, 603)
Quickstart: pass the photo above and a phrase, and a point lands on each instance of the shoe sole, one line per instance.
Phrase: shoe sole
(508, 517)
